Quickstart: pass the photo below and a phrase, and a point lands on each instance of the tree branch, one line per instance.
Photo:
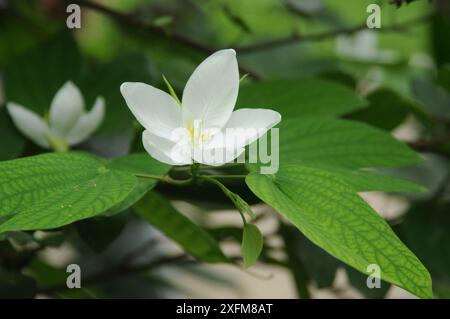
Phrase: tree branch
(120, 271)
(297, 38)
(133, 21)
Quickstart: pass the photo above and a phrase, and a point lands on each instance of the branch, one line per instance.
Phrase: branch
(120, 271)
(297, 38)
(133, 21)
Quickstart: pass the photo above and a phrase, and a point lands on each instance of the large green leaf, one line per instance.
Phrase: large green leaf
(55, 189)
(367, 181)
(304, 97)
(329, 212)
(139, 163)
(341, 143)
(33, 78)
(160, 213)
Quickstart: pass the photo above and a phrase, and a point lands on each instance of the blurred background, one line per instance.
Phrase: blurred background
(402, 69)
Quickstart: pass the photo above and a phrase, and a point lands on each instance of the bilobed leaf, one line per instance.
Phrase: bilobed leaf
(55, 189)
(160, 213)
(330, 213)
(305, 97)
(341, 143)
(252, 244)
(134, 164)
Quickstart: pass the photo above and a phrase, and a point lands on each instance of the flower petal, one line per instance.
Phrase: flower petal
(244, 127)
(216, 156)
(166, 150)
(29, 123)
(156, 110)
(87, 123)
(66, 108)
(211, 91)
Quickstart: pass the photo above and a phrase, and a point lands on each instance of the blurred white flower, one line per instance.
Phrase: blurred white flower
(363, 46)
(204, 128)
(68, 123)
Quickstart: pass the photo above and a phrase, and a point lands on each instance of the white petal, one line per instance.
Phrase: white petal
(216, 156)
(87, 123)
(244, 127)
(30, 124)
(166, 150)
(156, 110)
(211, 91)
(66, 108)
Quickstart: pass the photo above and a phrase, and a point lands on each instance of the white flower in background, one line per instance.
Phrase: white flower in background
(363, 46)
(204, 128)
(68, 123)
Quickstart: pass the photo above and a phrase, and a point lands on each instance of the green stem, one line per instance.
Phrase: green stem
(167, 179)
(228, 176)
(57, 144)
(237, 201)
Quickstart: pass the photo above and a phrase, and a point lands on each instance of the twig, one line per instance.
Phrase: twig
(296, 38)
(120, 271)
(132, 21)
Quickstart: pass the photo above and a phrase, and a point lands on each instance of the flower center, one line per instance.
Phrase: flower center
(198, 135)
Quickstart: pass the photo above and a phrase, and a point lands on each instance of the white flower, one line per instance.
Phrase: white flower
(68, 122)
(204, 128)
(363, 46)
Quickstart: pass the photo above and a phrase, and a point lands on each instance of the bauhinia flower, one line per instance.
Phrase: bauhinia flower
(68, 123)
(204, 128)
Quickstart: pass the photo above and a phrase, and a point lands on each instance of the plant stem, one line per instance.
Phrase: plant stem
(167, 179)
(237, 201)
(227, 176)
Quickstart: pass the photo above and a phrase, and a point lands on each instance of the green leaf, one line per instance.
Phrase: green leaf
(252, 244)
(139, 163)
(330, 213)
(386, 110)
(341, 143)
(305, 97)
(33, 78)
(55, 189)
(196, 241)
(367, 181)
(12, 141)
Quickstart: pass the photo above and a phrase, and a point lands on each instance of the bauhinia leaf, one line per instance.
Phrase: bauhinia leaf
(252, 244)
(195, 240)
(55, 189)
(368, 181)
(341, 143)
(300, 98)
(330, 213)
